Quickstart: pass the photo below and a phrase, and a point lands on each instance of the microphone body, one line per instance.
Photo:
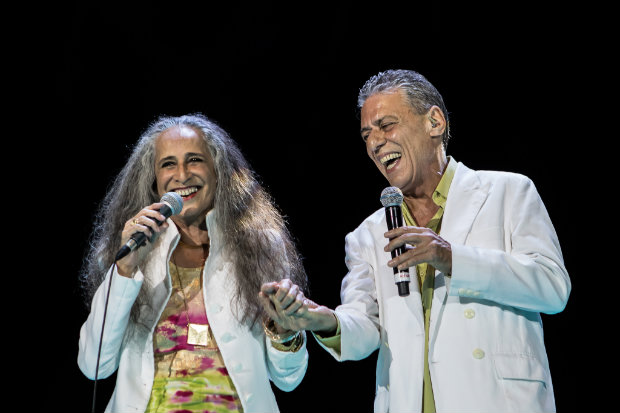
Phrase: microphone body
(392, 198)
(173, 204)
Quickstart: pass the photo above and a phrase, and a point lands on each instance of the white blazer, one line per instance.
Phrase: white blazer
(486, 350)
(127, 346)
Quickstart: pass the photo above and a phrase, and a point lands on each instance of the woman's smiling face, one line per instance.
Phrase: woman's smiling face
(184, 165)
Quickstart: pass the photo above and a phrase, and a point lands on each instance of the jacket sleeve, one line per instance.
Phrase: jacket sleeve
(529, 272)
(287, 368)
(122, 294)
(358, 315)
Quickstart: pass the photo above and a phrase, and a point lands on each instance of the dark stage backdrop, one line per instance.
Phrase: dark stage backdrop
(283, 82)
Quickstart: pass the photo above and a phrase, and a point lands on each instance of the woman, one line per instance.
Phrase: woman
(184, 324)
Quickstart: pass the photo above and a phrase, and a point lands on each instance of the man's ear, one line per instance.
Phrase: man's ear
(436, 121)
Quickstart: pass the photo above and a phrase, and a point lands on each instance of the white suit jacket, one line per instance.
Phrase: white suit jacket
(486, 349)
(248, 355)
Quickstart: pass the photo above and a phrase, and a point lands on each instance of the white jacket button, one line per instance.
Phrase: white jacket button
(227, 337)
(215, 308)
(478, 353)
(469, 313)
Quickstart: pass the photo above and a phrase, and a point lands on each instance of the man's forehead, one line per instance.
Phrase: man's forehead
(382, 104)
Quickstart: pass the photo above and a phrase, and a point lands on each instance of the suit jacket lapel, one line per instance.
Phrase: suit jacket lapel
(385, 276)
(465, 198)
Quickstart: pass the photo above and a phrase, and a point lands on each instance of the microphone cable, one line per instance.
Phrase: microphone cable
(173, 206)
(105, 312)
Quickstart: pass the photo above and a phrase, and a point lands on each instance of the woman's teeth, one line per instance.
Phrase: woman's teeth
(186, 191)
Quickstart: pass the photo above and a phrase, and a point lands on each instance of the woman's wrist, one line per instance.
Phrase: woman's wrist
(125, 271)
(278, 334)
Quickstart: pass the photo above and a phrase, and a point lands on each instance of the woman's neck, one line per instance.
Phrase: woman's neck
(193, 247)
(194, 232)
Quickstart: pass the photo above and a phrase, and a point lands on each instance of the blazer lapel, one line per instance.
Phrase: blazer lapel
(384, 279)
(156, 269)
(465, 198)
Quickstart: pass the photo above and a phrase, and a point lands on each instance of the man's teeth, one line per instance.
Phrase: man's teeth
(186, 191)
(389, 158)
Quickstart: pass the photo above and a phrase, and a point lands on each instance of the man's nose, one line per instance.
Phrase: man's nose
(375, 141)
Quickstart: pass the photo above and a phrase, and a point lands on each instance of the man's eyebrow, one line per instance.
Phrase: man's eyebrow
(377, 122)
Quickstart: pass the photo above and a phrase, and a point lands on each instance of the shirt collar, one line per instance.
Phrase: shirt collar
(440, 195)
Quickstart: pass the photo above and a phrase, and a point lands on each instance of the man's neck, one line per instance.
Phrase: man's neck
(421, 204)
(421, 208)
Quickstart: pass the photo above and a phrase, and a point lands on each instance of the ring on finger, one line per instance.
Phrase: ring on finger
(135, 221)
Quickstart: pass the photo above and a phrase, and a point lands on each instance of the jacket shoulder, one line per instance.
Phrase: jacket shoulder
(466, 178)
(370, 223)
(502, 177)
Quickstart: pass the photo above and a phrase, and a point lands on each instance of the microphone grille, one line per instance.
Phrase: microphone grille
(174, 200)
(391, 196)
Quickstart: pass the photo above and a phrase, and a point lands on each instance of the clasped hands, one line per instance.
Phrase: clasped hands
(287, 306)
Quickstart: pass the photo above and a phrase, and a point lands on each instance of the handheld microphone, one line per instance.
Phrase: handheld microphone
(392, 198)
(173, 204)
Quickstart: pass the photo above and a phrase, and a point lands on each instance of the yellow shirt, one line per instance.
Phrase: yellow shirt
(426, 283)
(426, 273)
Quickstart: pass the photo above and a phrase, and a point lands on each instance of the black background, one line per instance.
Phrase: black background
(282, 79)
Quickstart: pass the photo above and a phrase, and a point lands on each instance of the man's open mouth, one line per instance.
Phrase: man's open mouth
(389, 160)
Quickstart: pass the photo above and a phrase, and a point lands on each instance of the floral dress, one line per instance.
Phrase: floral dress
(188, 377)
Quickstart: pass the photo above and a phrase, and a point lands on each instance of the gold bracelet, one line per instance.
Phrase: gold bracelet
(292, 346)
(268, 326)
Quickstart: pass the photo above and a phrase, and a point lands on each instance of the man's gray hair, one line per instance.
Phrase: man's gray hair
(420, 93)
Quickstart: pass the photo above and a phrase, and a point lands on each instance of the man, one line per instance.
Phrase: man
(469, 336)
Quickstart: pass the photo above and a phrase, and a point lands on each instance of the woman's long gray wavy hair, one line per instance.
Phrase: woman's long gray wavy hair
(245, 213)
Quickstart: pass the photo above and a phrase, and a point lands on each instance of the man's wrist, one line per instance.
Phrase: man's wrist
(331, 326)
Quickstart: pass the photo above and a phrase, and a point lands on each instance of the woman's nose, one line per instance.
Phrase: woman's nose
(181, 173)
